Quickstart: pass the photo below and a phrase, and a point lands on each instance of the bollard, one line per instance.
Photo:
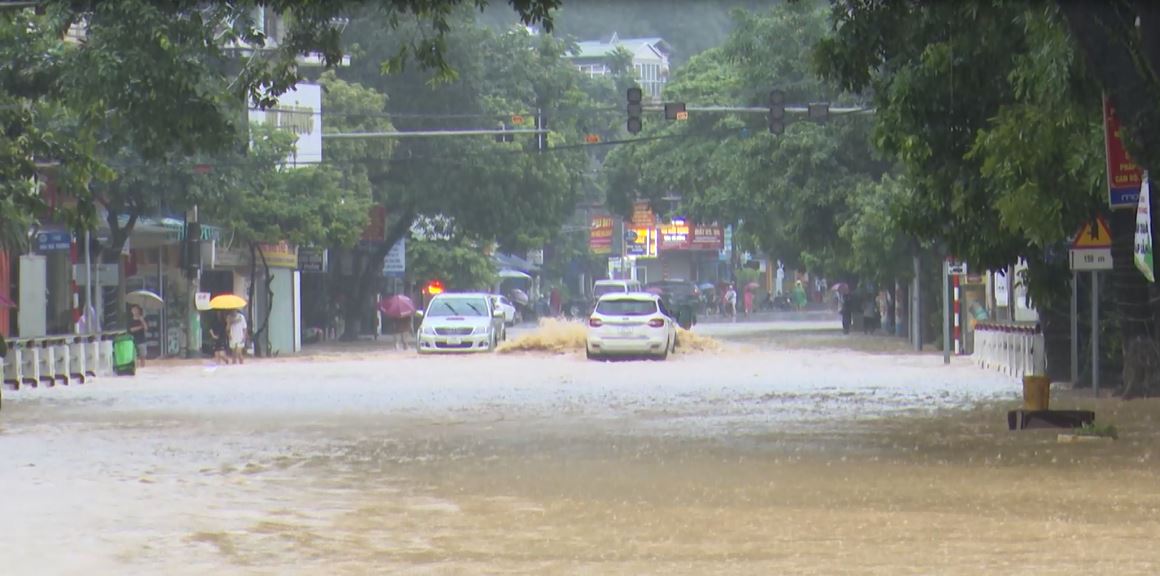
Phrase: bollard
(92, 345)
(77, 359)
(62, 355)
(106, 355)
(30, 364)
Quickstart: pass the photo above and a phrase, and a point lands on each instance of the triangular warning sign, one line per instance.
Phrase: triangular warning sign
(1093, 235)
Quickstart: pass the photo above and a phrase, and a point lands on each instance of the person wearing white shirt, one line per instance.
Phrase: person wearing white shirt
(237, 330)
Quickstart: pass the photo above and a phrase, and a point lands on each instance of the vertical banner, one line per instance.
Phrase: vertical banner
(1124, 177)
(1143, 244)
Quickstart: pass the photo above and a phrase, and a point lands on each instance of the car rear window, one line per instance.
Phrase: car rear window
(607, 289)
(626, 307)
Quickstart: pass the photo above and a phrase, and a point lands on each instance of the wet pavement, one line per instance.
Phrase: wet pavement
(766, 457)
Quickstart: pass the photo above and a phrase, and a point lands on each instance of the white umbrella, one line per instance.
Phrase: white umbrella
(144, 299)
(513, 274)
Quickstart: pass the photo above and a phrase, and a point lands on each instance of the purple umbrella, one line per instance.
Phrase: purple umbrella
(397, 306)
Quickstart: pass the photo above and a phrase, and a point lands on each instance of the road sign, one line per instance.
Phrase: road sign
(957, 269)
(1093, 235)
(1086, 259)
(592, 139)
(682, 115)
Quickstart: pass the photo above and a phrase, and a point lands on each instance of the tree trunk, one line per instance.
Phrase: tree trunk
(1141, 376)
(119, 236)
(261, 334)
(355, 310)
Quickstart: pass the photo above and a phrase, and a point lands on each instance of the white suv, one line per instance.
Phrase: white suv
(634, 323)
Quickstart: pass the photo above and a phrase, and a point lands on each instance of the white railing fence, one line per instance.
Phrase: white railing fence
(1013, 349)
(52, 360)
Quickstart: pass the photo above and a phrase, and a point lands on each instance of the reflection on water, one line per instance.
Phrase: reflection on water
(93, 487)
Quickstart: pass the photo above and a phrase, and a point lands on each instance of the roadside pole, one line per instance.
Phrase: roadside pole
(1095, 334)
(193, 326)
(946, 297)
(1091, 250)
(916, 304)
(1074, 328)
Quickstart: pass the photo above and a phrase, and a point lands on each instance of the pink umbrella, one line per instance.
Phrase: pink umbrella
(6, 302)
(397, 306)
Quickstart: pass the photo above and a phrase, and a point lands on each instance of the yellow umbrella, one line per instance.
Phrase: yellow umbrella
(227, 302)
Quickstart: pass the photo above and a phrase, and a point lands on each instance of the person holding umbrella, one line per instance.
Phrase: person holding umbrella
(138, 328)
(401, 310)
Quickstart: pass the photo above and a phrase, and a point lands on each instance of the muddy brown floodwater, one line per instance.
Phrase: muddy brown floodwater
(743, 461)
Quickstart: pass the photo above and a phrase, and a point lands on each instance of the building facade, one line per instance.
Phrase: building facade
(650, 60)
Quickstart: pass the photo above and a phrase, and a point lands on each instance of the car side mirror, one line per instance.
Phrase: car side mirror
(497, 313)
(419, 314)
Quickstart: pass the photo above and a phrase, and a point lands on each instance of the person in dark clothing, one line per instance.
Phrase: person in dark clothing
(218, 335)
(138, 329)
(847, 312)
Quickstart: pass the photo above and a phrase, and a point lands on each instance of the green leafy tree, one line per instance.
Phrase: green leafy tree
(460, 265)
(512, 194)
(995, 122)
(265, 202)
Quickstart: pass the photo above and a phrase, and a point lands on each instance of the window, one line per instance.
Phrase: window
(626, 307)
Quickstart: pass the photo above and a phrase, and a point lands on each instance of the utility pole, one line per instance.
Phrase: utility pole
(193, 327)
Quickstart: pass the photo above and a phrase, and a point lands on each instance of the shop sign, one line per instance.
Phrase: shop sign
(709, 237)
(600, 235)
(280, 255)
(674, 235)
(642, 215)
(641, 242)
(376, 229)
(313, 260)
(53, 240)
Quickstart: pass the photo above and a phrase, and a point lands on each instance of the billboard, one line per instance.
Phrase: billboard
(395, 262)
(600, 235)
(1124, 176)
(642, 215)
(682, 234)
(641, 242)
(299, 110)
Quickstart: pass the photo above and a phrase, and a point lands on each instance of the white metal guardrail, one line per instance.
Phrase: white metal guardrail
(52, 360)
(1016, 350)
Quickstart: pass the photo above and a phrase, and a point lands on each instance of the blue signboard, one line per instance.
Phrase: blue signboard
(53, 240)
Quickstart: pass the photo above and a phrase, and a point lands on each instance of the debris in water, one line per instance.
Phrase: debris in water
(560, 336)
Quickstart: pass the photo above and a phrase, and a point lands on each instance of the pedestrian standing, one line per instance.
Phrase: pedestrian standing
(731, 302)
(217, 333)
(238, 331)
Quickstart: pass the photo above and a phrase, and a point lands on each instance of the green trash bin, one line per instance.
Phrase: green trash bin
(124, 355)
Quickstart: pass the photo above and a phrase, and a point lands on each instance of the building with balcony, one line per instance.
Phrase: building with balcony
(650, 60)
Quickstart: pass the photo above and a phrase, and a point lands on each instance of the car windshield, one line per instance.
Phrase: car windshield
(626, 307)
(607, 289)
(458, 307)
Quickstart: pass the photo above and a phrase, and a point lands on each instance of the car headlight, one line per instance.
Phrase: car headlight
(481, 330)
(427, 331)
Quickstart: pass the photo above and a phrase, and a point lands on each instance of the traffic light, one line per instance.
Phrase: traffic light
(191, 247)
(635, 109)
(776, 112)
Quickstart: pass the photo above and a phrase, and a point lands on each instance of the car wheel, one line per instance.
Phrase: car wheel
(664, 354)
(588, 353)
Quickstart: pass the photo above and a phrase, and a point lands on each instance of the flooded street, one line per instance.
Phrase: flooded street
(757, 459)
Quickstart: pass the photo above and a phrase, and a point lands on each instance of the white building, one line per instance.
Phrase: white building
(650, 60)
